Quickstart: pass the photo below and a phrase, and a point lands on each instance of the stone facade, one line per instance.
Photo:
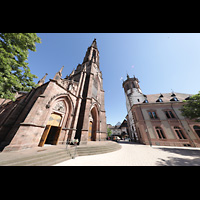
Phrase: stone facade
(156, 119)
(60, 110)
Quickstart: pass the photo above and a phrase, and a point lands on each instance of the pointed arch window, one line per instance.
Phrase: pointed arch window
(60, 107)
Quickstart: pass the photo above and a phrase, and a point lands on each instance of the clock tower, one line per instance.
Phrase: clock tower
(133, 92)
(133, 95)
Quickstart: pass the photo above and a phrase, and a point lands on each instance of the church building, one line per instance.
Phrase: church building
(156, 119)
(57, 111)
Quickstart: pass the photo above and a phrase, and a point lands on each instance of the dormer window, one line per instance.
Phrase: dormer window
(160, 95)
(173, 95)
(145, 101)
(187, 98)
(159, 100)
(174, 99)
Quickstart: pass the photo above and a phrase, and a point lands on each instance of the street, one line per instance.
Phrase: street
(132, 154)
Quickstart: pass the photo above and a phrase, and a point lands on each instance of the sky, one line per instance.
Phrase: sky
(161, 61)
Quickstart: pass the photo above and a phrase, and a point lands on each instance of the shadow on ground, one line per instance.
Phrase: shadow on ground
(190, 157)
(127, 142)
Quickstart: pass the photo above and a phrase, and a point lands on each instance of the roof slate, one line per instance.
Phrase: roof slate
(152, 98)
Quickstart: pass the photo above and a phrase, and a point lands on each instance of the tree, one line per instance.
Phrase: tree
(109, 132)
(191, 109)
(15, 74)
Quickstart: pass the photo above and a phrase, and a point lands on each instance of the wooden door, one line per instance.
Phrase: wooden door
(90, 132)
(57, 134)
(44, 136)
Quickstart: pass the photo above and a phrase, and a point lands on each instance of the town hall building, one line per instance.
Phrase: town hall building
(57, 111)
(156, 119)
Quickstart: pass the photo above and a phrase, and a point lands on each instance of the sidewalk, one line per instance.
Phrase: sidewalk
(140, 155)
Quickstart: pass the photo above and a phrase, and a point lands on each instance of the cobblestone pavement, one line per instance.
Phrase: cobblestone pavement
(140, 155)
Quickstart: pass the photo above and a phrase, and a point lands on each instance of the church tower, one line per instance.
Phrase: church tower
(91, 124)
(58, 111)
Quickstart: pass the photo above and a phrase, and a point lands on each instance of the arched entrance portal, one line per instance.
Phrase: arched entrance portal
(93, 124)
(53, 128)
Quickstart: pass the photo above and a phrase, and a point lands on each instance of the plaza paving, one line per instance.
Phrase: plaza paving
(132, 154)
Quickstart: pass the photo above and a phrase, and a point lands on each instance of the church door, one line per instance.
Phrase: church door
(44, 136)
(90, 132)
(52, 131)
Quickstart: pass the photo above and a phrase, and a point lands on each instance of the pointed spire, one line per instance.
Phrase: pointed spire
(61, 70)
(92, 53)
(58, 74)
(94, 43)
(41, 81)
(72, 73)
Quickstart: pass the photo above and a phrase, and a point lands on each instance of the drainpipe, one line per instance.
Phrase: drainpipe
(183, 126)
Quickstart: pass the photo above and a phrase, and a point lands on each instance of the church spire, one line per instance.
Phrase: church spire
(92, 53)
(94, 43)
(58, 74)
(41, 81)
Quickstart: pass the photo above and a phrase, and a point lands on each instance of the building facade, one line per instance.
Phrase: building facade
(119, 130)
(156, 119)
(57, 111)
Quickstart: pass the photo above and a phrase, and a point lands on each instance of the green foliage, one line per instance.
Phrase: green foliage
(191, 109)
(15, 74)
(109, 132)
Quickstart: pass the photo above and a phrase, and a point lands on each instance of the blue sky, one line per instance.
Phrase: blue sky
(161, 62)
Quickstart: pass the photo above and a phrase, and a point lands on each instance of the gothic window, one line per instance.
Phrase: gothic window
(197, 130)
(60, 106)
(95, 88)
(94, 55)
(160, 133)
(179, 133)
(70, 87)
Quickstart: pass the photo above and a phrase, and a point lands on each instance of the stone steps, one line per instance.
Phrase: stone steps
(62, 154)
(39, 160)
(90, 150)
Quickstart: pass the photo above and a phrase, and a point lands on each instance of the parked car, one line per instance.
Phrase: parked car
(116, 138)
